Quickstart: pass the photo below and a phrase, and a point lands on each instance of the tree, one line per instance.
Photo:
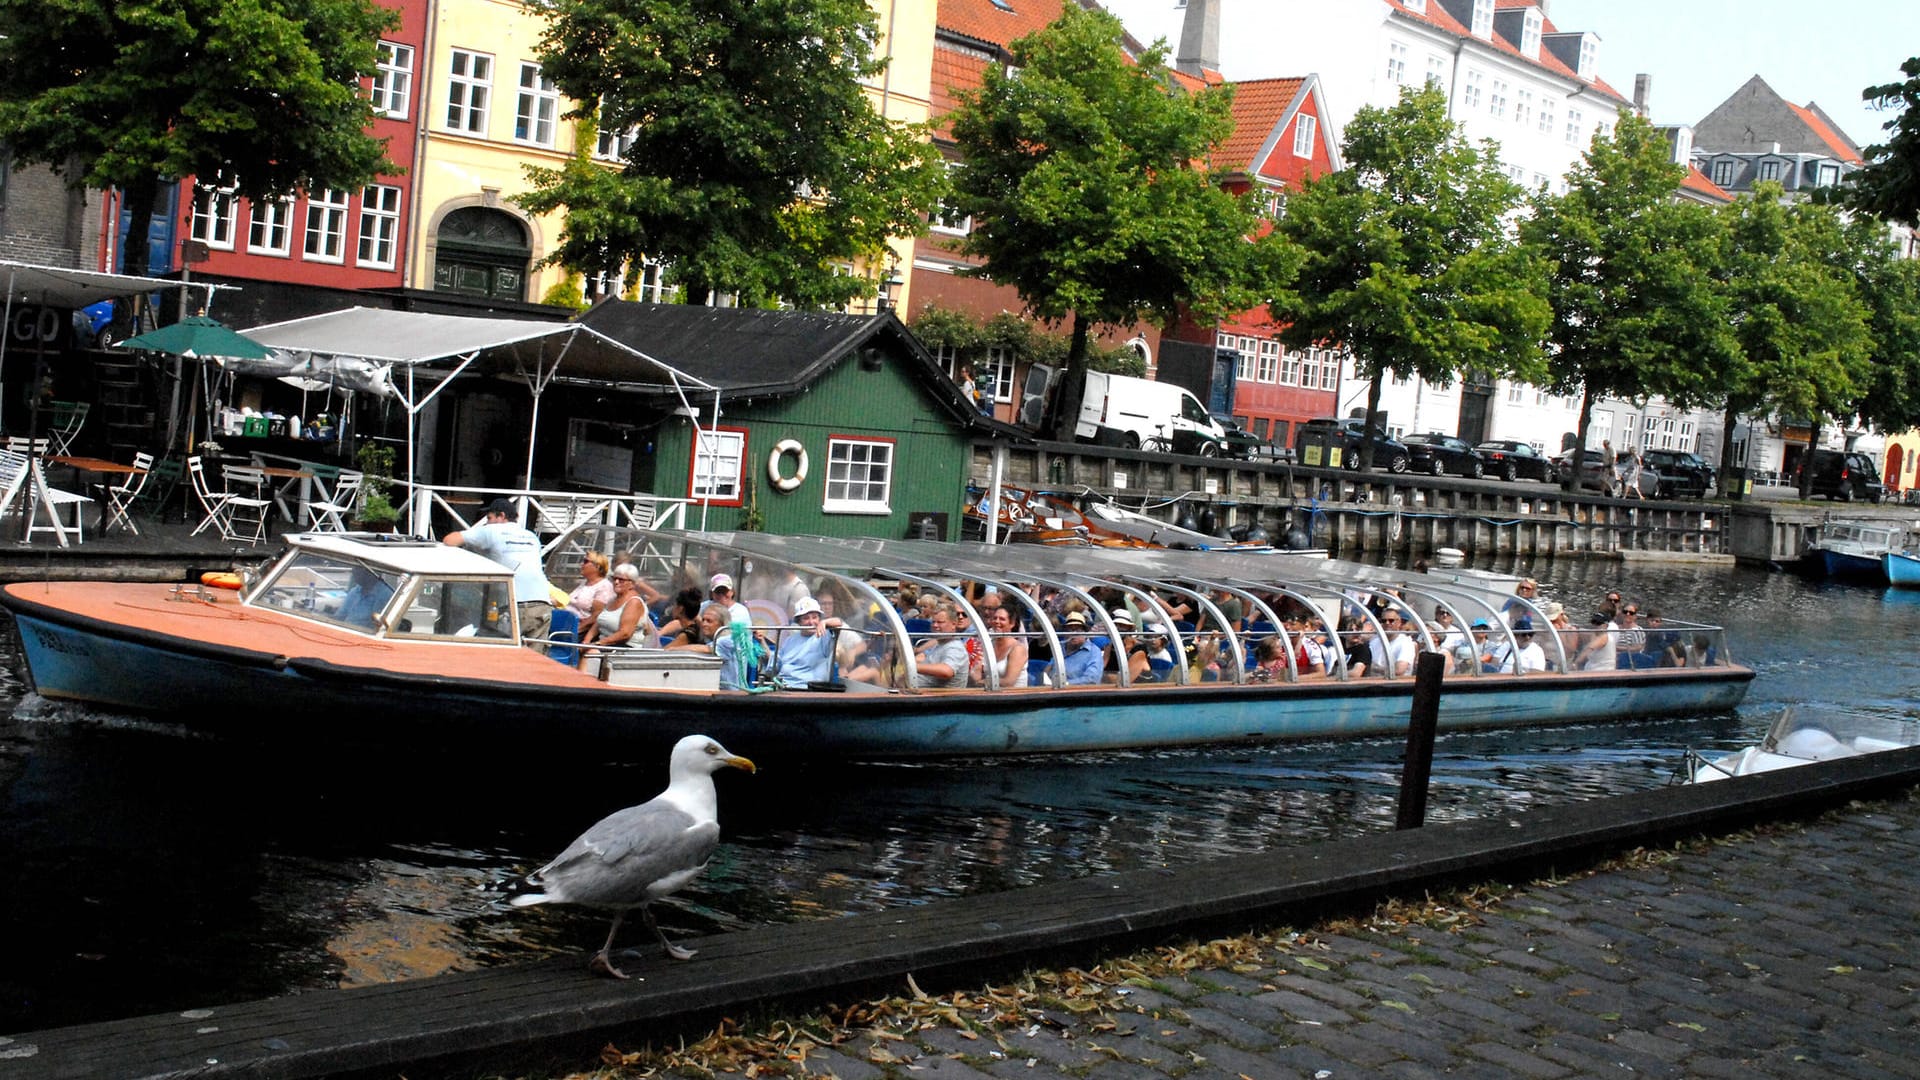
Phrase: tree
(261, 95)
(1636, 307)
(1084, 176)
(1889, 186)
(1408, 261)
(755, 162)
(1801, 328)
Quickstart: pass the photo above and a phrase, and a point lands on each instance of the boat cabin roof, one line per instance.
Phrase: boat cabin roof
(402, 554)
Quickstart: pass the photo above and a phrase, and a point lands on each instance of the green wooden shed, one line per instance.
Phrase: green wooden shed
(830, 424)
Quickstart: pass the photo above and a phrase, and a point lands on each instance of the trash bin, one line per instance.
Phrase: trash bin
(1319, 448)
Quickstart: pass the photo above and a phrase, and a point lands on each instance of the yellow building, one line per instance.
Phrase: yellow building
(487, 112)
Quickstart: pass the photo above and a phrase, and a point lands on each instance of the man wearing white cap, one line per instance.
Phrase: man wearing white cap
(503, 540)
(806, 656)
(720, 589)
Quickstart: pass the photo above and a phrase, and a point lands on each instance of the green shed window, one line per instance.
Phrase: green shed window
(859, 476)
(719, 460)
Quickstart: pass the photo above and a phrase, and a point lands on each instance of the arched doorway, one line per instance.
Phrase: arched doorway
(480, 251)
(1895, 473)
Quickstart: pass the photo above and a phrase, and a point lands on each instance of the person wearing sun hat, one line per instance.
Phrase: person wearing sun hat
(1084, 660)
(806, 655)
(720, 591)
(1529, 656)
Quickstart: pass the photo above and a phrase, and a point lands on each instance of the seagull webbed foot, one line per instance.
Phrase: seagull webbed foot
(602, 964)
(678, 952)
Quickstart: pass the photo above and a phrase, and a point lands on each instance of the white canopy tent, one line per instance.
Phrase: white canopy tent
(447, 346)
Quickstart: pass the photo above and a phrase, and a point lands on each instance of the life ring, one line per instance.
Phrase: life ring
(781, 450)
(221, 580)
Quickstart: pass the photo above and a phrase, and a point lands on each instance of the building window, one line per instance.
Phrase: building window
(1589, 57)
(271, 228)
(1483, 18)
(393, 80)
(1243, 371)
(1523, 107)
(1437, 71)
(1396, 63)
(1602, 129)
(1548, 121)
(613, 145)
(999, 368)
(213, 218)
(1417, 6)
(1303, 128)
(468, 83)
(538, 104)
(948, 357)
(1516, 393)
(1290, 363)
(1576, 127)
(1530, 35)
(379, 225)
(326, 226)
(1497, 100)
(1269, 361)
(1723, 172)
(1330, 369)
(859, 476)
(948, 219)
(1770, 170)
(718, 474)
(1470, 93)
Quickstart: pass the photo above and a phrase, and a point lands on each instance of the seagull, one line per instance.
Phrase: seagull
(635, 856)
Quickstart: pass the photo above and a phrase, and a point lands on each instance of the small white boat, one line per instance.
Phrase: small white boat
(1791, 743)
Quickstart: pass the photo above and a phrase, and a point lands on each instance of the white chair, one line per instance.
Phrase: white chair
(331, 513)
(65, 421)
(57, 502)
(20, 444)
(249, 501)
(120, 497)
(213, 502)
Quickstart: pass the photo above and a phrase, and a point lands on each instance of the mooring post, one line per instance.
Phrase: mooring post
(1417, 771)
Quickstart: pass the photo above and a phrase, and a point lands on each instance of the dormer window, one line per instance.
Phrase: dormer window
(1530, 35)
(1418, 7)
(1483, 18)
(1589, 58)
(1303, 127)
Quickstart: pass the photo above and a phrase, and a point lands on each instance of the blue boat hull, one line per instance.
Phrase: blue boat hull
(1848, 567)
(275, 698)
(1901, 569)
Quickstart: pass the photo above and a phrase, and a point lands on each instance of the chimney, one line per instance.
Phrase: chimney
(1199, 38)
(1642, 89)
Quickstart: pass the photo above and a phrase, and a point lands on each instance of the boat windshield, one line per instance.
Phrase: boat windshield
(359, 594)
(330, 588)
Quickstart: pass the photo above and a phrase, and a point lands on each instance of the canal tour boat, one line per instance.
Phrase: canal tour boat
(371, 640)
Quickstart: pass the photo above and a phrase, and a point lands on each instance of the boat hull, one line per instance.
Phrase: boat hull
(1847, 566)
(1902, 570)
(257, 695)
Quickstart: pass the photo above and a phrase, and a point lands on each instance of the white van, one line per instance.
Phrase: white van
(1119, 410)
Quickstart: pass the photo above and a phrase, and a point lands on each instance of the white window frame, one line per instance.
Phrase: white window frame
(1470, 90)
(1396, 63)
(1829, 174)
(213, 212)
(651, 286)
(946, 219)
(1497, 99)
(859, 475)
(1549, 116)
(1243, 371)
(717, 475)
(1330, 365)
(469, 90)
(1000, 363)
(537, 108)
(1523, 106)
(1589, 58)
(379, 240)
(1269, 366)
(1292, 364)
(326, 232)
(613, 145)
(1530, 34)
(1483, 19)
(1576, 127)
(1771, 169)
(392, 85)
(1303, 128)
(1724, 171)
(270, 227)
(1437, 70)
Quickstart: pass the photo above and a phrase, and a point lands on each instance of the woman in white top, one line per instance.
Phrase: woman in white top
(1009, 649)
(624, 622)
(594, 592)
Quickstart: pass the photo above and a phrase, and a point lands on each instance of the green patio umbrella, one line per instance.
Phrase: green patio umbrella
(197, 336)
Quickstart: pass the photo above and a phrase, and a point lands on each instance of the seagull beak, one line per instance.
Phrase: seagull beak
(741, 763)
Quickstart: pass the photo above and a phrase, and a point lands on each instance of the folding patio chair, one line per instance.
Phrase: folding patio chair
(64, 424)
(249, 501)
(331, 514)
(120, 497)
(213, 502)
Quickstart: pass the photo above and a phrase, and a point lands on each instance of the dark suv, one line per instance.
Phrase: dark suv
(1681, 473)
(1845, 475)
(1436, 453)
(1313, 438)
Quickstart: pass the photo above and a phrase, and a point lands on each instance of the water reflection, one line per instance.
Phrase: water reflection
(160, 870)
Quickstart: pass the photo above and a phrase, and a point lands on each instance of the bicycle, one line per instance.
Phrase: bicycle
(1158, 442)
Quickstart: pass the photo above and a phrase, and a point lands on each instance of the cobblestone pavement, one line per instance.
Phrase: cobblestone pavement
(1788, 952)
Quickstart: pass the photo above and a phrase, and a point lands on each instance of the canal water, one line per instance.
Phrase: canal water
(150, 869)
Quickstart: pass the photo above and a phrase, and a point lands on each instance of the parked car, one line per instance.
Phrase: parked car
(1348, 434)
(1595, 476)
(1439, 454)
(1244, 445)
(1510, 459)
(1681, 474)
(1846, 475)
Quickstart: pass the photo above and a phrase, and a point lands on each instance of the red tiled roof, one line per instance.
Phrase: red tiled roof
(1697, 181)
(1259, 106)
(986, 21)
(953, 71)
(1842, 147)
(1436, 16)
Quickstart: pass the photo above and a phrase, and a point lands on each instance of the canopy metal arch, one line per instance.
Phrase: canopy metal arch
(413, 340)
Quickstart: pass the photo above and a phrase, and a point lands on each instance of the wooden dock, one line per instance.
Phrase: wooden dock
(508, 1019)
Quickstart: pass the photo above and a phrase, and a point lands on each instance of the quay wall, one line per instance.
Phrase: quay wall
(1355, 513)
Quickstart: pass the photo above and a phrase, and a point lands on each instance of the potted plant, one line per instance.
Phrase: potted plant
(377, 512)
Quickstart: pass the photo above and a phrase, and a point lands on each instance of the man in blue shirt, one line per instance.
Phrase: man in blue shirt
(1085, 661)
(501, 539)
(807, 656)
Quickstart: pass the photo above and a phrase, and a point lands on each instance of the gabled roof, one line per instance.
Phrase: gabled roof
(1827, 132)
(1261, 108)
(751, 352)
(999, 24)
(1436, 16)
(1755, 116)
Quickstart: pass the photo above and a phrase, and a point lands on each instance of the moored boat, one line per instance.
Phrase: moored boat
(1791, 742)
(1902, 569)
(1854, 550)
(363, 640)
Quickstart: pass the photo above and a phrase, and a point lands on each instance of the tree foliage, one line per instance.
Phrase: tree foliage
(1084, 173)
(1801, 327)
(1408, 260)
(262, 95)
(1637, 309)
(1889, 186)
(756, 161)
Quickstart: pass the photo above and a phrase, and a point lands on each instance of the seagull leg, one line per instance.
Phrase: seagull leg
(602, 962)
(673, 951)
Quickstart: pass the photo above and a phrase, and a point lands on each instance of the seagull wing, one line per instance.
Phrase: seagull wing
(621, 860)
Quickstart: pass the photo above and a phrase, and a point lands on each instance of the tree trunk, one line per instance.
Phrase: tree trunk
(138, 198)
(1373, 424)
(1578, 454)
(1729, 487)
(1073, 384)
(1805, 480)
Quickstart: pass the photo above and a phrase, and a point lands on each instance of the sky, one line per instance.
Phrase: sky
(1698, 51)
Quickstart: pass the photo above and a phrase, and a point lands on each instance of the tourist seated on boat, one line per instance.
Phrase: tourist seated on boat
(720, 591)
(1356, 637)
(1009, 661)
(1489, 650)
(366, 597)
(1451, 640)
(1131, 650)
(1399, 648)
(1701, 652)
(1269, 660)
(1632, 638)
(1230, 606)
(1560, 625)
(1597, 652)
(1311, 657)
(806, 656)
(941, 659)
(1664, 648)
(742, 656)
(649, 595)
(595, 590)
(1529, 656)
(682, 623)
(1085, 661)
(1528, 591)
(623, 624)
